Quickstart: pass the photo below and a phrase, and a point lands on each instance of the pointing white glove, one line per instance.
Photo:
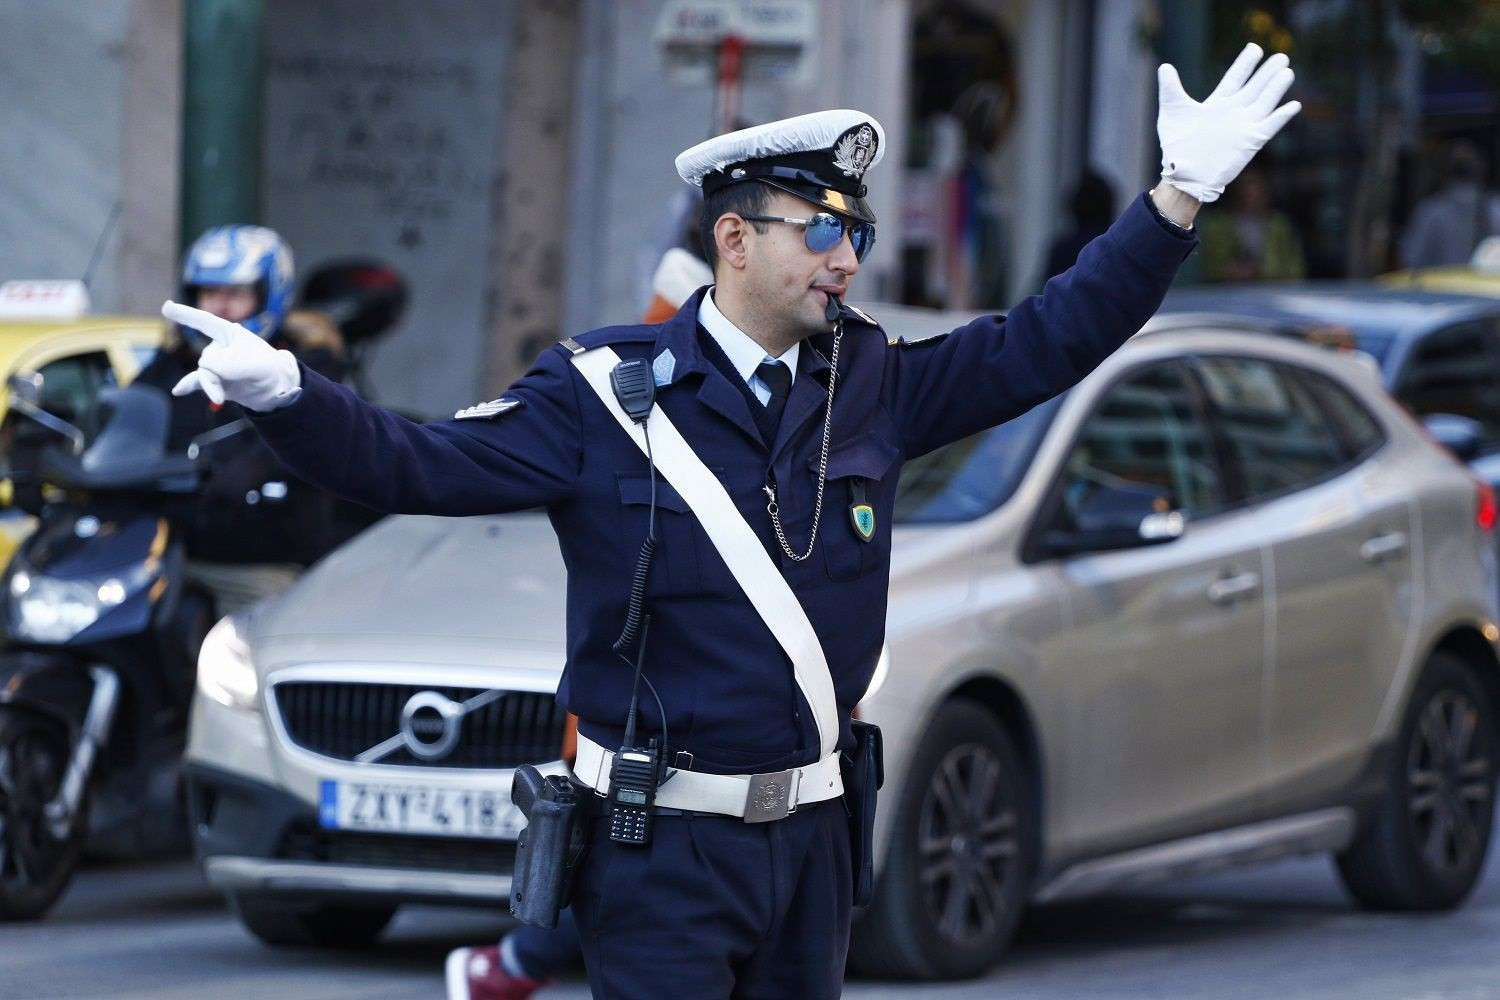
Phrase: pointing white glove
(1205, 146)
(238, 365)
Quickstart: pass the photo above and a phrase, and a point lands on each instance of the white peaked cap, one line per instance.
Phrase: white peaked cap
(822, 157)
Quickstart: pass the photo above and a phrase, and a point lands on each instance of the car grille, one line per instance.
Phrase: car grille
(378, 850)
(342, 720)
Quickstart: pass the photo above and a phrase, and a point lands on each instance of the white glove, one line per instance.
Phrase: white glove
(238, 365)
(1205, 146)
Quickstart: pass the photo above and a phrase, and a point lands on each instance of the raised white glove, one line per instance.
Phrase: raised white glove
(1205, 146)
(237, 365)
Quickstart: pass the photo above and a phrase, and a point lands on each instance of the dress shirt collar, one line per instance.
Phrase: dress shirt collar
(744, 353)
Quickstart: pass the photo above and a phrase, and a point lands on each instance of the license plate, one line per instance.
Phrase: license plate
(445, 811)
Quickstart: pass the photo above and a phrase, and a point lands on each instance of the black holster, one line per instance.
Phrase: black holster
(551, 847)
(863, 771)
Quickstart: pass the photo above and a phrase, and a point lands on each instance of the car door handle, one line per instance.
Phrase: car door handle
(1230, 588)
(1383, 547)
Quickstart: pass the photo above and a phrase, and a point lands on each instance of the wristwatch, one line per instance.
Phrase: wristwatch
(1182, 232)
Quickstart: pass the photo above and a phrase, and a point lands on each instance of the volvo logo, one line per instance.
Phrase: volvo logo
(430, 725)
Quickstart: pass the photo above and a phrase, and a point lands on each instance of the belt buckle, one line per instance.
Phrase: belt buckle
(772, 796)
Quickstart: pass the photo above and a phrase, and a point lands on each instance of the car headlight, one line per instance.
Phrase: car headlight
(48, 609)
(225, 671)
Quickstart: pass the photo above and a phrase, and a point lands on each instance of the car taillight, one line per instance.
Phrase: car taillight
(1485, 514)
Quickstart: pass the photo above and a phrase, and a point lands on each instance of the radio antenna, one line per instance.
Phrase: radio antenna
(109, 225)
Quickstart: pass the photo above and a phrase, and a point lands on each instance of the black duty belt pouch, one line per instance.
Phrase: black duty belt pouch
(863, 771)
(551, 847)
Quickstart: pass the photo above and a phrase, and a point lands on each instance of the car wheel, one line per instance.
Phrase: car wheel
(36, 861)
(955, 877)
(284, 922)
(1425, 845)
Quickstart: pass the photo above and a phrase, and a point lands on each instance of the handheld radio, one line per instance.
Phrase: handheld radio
(632, 793)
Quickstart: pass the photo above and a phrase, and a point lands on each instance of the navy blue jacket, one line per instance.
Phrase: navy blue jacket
(727, 687)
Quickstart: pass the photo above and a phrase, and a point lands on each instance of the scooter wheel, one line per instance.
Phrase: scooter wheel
(35, 862)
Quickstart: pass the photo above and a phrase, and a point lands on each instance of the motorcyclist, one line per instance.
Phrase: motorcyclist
(255, 526)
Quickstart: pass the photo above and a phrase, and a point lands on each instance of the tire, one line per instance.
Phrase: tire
(948, 912)
(1426, 843)
(35, 864)
(286, 923)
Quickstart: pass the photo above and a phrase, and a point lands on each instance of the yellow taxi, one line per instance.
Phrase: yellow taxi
(1481, 276)
(46, 329)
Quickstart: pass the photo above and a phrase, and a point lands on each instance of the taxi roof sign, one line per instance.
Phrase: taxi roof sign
(32, 299)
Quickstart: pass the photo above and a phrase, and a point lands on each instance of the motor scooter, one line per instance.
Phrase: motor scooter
(102, 633)
(101, 625)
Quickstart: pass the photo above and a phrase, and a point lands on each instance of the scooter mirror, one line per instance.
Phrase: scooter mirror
(26, 386)
(196, 445)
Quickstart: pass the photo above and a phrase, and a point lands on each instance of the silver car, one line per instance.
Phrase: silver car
(1222, 602)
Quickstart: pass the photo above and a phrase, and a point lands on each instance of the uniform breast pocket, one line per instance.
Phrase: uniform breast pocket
(679, 567)
(856, 532)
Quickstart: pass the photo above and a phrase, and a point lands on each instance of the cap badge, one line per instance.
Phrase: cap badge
(854, 150)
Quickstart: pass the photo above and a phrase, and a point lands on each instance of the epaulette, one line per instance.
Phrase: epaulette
(609, 336)
(859, 314)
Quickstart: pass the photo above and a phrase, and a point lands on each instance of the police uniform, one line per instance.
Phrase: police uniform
(715, 906)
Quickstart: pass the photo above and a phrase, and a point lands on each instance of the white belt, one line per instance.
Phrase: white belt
(758, 798)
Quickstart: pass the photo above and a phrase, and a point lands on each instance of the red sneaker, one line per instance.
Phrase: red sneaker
(476, 974)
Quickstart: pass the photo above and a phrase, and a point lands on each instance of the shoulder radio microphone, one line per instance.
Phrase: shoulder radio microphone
(634, 386)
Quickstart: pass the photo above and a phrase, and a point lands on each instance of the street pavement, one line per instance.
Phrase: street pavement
(1283, 931)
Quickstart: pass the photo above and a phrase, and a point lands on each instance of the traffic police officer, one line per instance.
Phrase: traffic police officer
(716, 906)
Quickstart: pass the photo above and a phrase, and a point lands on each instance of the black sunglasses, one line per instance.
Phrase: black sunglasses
(824, 230)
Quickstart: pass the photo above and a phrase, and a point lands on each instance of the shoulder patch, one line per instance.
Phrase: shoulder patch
(489, 411)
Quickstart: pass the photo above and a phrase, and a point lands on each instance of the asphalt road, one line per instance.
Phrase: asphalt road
(1280, 931)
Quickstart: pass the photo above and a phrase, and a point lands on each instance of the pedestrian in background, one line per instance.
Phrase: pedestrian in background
(1448, 224)
(1253, 241)
(1091, 206)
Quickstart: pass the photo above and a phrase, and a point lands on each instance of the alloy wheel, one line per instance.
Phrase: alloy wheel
(1448, 783)
(969, 842)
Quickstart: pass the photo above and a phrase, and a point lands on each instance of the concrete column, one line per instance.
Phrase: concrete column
(151, 147)
(530, 207)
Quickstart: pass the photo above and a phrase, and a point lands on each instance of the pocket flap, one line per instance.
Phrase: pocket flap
(636, 489)
(868, 457)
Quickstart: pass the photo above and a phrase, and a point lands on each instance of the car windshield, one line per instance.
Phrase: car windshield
(969, 478)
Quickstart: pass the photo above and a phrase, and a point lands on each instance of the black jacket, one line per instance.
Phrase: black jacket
(235, 521)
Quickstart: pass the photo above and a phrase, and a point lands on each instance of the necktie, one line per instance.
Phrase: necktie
(778, 378)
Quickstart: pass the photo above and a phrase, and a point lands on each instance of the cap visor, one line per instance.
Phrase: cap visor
(836, 201)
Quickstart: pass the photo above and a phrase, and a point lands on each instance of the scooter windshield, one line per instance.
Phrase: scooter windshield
(129, 451)
(133, 426)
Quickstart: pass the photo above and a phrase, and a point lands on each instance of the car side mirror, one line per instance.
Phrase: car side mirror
(1460, 435)
(1114, 518)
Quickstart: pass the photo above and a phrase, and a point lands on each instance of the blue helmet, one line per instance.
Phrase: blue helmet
(243, 255)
